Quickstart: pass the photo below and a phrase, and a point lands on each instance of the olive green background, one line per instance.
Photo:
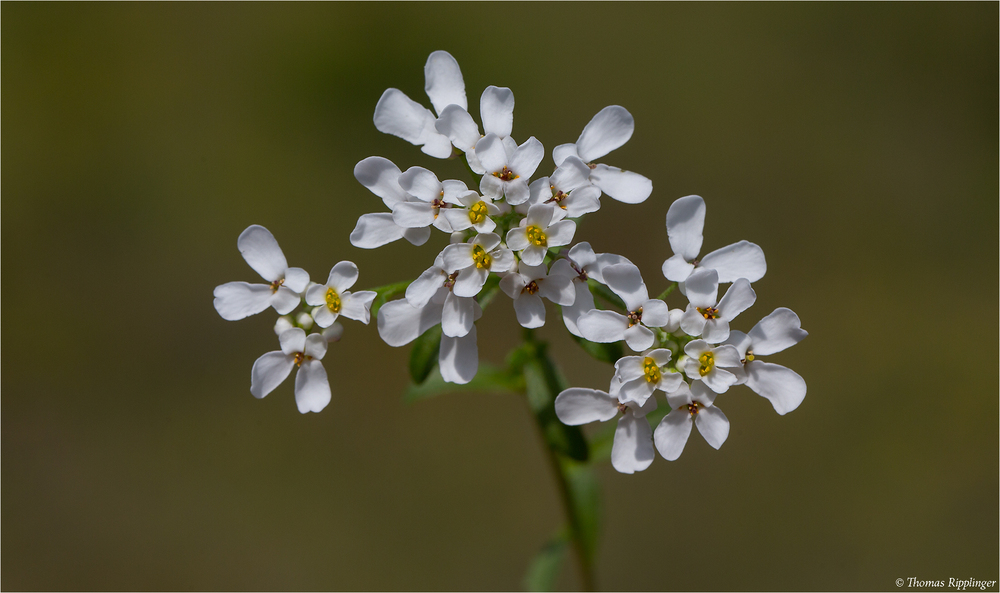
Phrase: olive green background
(855, 143)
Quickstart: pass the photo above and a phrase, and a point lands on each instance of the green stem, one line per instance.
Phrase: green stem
(546, 375)
(666, 293)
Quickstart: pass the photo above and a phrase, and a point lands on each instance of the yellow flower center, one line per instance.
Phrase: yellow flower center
(482, 259)
(706, 361)
(531, 287)
(299, 358)
(693, 408)
(477, 213)
(650, 369)
(536, 236)
(749, 357)
(333, 300)
(277, 284)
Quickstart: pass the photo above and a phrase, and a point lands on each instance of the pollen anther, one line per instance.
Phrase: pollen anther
(482, 259)
(651, 370)
(706, 363)
(477, 213)
(332, 300)
(536, 236)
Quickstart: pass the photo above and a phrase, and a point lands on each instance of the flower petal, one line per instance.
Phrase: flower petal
(677, 269)
(416, 236)
(443, 81)
(603, 326)
(606, 131)
(626, 281)
(381, 177)
(636, 390)
(404, 118)
(779, 330)
(713, 425)
(413, 214)
(702, 288)
(685, 223)
(583, 255)
(526, 158)
(512, 284)
(558, 289)
(655, 313)
(312, 388)
(571, 174)
(400, 323)
(739, 260)
(268, 372)
(737, 299)
(577, 405)
(632, 450)
(783, 387)
(561, 233)
(638, 337)
(296, 280)
(457, 257)
(376, 230)
(491, 154)
(533, 255)
(456, 318)
(470, 281)
(530, 310)
(357, 305)
(238, 300)
(561, 152)
(715, 331)
(261, 251)
(285, 300)
(516, 191)
(672, 434)
(420, 291)
(496, 106)
(456, 123)
(342, 277)
(458, 359)
(624, 186)
(693, 322)
(315, 346)
(582, 303)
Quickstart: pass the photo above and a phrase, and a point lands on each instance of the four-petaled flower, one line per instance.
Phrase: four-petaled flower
(334, 299)
(540, 230)
(632, 450)
(236, 300)
(528, 284)
(707, 364)
(708, 317)
(508, 167)
(783, 387)
(685, 223)
(643, 312)
(640, 376)
(312, 388)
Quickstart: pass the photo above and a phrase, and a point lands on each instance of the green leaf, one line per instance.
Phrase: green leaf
(424, 355)
(488, 379)
(609, 353)
(544, 568)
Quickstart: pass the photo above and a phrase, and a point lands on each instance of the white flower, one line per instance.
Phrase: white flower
(497, 108)
(429, 301)
(608, 130)
(334, 299)
(643, 312)
(704, 364)
(401, 116)
(528, 284)
(580, 264)
(312, 388)
(507, 169)
(568, 188)
(236, 300)
(474, 261)
(381, 177)
(707, 317)
(691, 406)
(475, 213)
(540, 230)
(685, 223)
(632, 450)
(432, 196)
(783, 387)
(640, 376)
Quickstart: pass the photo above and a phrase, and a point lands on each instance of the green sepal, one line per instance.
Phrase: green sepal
(544, 568)
(488, 379)
(609, 353)
(424, 355)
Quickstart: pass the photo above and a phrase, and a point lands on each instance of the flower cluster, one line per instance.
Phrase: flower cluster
(287, 290)
(510, 228)
(689, 355)
(513, 232)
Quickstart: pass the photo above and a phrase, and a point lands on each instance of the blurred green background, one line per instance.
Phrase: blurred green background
(856, 143)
